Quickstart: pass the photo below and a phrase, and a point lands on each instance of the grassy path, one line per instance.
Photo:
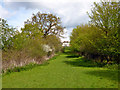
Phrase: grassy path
(63, 72)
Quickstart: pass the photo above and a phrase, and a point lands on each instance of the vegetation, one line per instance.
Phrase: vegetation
(6, 34)
(91, 61)
(33, 44)
(99, 40)
(64, 71)
(48, 23)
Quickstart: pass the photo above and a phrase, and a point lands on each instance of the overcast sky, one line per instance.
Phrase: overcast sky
(71, 12)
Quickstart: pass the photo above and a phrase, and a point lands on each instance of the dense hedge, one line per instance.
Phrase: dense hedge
(99, 39)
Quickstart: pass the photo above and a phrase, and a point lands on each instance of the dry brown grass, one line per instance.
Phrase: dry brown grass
(12, 58)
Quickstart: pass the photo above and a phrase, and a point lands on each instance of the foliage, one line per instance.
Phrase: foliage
(105, 17)
(47, 23)
(59, 74)
(21, 48)
(35, 48)
(84, 39)
(54, 42)
(112, 66)
(99, 40)
(27, 67)
(6, 34)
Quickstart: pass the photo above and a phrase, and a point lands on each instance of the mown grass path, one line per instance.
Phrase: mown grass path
(64, 71)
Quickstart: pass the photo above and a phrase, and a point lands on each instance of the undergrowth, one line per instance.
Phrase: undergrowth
(28, 66)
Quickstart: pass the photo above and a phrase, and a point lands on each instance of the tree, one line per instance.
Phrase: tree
(101, 37)
(85, 38)
(54, 42)
(47, 23)
(31, 31)
(6, 34)
(105, 16)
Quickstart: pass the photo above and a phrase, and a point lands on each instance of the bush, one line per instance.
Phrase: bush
(34, 48)
(54, 42)
(100, 39)
(112, 66)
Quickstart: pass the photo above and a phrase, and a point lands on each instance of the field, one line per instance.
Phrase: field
(63, 71)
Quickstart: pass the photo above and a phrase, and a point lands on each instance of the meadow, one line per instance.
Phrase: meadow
(63, 71)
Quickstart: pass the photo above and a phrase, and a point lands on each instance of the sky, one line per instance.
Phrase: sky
(71, 12)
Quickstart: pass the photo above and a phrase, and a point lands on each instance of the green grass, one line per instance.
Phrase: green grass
(63, 71)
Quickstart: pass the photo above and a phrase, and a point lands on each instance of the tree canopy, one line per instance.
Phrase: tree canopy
(48, 24)
(6, 34)
(101, 36)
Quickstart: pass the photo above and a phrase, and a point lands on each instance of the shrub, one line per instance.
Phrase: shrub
(54, 42)
(112, 66)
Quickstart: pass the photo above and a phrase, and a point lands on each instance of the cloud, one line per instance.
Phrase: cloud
(73, 16)
(71, 12)
(5, 13)
(21, 15)
(67, 33)
(65, 1)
